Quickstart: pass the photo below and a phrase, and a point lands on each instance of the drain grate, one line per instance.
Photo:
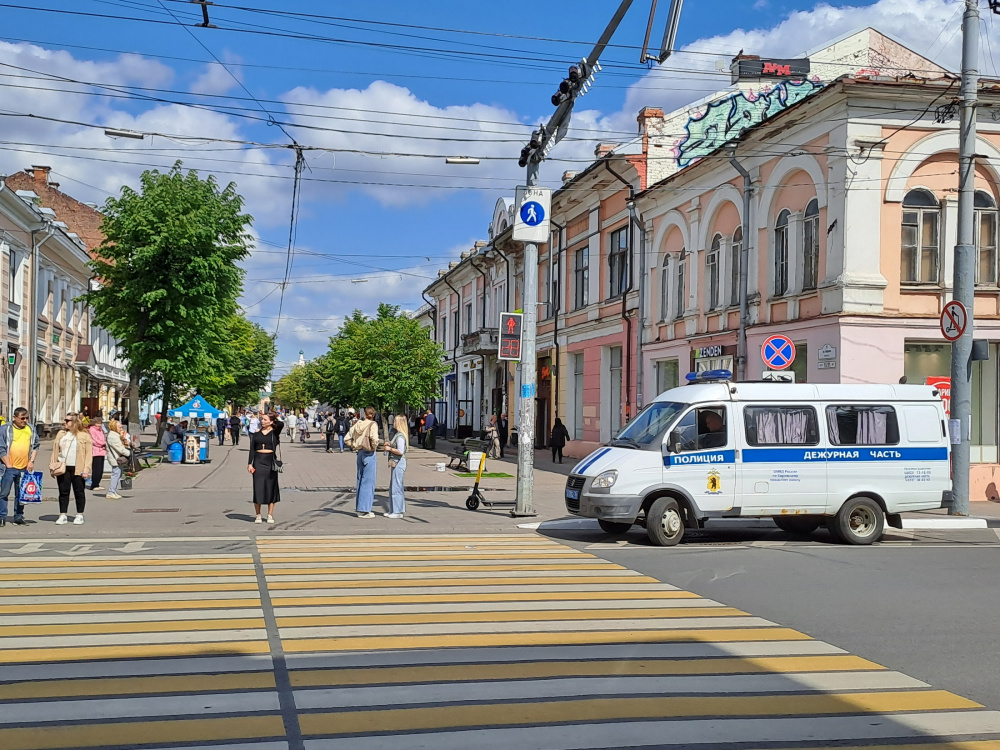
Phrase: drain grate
(157, 510)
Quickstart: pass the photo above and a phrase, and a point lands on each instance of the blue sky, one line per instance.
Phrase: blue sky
(376, 84)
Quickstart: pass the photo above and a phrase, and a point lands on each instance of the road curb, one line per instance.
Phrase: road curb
(949, 523)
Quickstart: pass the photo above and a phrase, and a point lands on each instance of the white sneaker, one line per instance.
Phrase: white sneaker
(270, 519)
(61, 520)
(96, 489)
(113, 496)
(369, 514)
(258, 519)
(78, 521)
(393, 515)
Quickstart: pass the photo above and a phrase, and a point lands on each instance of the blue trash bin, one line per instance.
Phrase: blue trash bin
(176, 452)
(203, 447)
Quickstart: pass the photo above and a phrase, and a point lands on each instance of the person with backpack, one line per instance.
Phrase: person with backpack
(341, 430)
(329, 431)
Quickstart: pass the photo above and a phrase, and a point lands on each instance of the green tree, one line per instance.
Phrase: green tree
(387, 361)
(169, 274)
(290, 391)
(239, 364)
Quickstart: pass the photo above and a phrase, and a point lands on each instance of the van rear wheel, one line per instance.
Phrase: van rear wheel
(614, 527)
(797, 524)
(859, 521)
(664, 522)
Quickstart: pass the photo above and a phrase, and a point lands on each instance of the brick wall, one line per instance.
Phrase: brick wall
(79, 217)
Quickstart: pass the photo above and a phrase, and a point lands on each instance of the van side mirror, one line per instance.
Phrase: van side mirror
(674, 442)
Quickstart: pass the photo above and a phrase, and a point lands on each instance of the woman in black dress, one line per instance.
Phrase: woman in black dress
(263, 446)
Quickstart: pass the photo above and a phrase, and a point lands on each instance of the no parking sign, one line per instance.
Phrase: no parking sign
(778, 352)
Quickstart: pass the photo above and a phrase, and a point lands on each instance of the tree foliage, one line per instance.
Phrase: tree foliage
(387, 361)
(168, 272)
(290, 390)
(239, 364)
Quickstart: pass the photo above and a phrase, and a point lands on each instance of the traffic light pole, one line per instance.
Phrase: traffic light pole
(525, 503)
(965, 261)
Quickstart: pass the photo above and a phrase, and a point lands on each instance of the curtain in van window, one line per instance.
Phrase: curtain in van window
(834, 424)
(871, 427)
(782, 427)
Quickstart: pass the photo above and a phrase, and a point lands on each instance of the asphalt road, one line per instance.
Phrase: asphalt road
(930, 611)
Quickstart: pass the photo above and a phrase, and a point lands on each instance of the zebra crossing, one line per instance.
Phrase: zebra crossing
(432, 641)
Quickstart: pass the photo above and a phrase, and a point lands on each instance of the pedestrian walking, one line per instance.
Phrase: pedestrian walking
(493, 439)
(329, 431)
(253, 425)
(421, 433)
(100, 440)
(429, 422)
(558, 439)
(396, 451)
(264, 464)
(220, 428)
(341, 430)
(118, 453)
(234, 428)
(303, 425)
(72, 455)
(503, 432)
(363, 438)
(18, 449)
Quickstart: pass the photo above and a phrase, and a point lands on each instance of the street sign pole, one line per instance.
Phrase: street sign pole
(965, 262)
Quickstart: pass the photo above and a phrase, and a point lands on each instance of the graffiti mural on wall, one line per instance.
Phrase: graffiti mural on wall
(726, 119)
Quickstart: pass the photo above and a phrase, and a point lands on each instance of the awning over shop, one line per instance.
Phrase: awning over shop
(196, 408)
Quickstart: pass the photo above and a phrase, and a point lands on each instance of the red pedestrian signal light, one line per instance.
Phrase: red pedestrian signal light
(510, 336)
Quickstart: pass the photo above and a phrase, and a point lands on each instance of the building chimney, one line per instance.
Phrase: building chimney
(41, 174)
(646, 114)
(603, 149)
(569, 175)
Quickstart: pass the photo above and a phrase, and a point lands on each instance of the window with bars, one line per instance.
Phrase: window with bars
(781, 253)
(986, 238)
(920, 238)
(712, 258)
(810, 245)
(735, 261)
(618, 263)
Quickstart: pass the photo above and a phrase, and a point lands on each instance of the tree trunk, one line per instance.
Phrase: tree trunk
(162, 424)
(132, 403)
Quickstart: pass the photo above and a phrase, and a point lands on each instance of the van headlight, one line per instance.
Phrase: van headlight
(605, 479)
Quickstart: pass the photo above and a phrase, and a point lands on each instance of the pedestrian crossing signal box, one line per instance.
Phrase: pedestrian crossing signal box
(510, 337)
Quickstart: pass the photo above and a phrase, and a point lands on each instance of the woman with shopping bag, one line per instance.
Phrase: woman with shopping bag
(118, 453)
(363, 438)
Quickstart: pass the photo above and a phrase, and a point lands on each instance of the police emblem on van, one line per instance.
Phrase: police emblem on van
(714, 483)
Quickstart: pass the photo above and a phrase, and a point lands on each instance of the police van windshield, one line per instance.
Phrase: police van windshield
(646, 431)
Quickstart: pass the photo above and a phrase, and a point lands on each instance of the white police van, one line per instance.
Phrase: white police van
(850, 456)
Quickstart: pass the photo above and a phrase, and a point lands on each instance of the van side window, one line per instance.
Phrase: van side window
(923, 423)
(702, 429)
(781, 425)
(862, 425)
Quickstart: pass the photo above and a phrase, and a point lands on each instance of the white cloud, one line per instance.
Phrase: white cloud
(217, 79)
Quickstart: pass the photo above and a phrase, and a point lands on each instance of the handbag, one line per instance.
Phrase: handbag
(368, 443)
(276, 462)
(125, 483)
(56, 467)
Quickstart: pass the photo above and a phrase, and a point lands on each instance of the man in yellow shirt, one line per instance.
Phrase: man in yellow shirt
(18, 449)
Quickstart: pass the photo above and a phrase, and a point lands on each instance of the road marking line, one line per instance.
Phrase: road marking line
(125, 604)
(108, 686)
(130, 651)
(503, 606)
(458, 580)
(131, 639)
(17, 633)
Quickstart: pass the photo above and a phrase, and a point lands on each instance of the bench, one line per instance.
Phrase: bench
(461, 453)
(148, 458)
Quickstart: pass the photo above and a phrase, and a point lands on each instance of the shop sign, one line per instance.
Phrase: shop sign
(745, 68)
(708, 351)
(943, 386)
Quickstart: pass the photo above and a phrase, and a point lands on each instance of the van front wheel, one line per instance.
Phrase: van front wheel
(614, 527)
(664, 522)
(859, 521)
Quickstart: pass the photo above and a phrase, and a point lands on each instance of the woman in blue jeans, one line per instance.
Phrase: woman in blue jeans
(396, 450)
(364, 435)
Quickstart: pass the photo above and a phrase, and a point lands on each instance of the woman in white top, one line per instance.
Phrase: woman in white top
(396, 450)
(74, 453)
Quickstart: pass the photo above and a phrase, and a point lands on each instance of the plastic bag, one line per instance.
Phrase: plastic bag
(31, 487)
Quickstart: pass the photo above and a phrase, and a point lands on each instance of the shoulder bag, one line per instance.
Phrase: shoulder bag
(57, 467)
(277, 463)
(369, 443)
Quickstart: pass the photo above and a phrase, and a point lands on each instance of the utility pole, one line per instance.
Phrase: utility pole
(965, 261)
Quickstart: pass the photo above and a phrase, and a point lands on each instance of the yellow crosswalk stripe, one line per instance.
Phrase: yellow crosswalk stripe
(84, 688)
(523, 596)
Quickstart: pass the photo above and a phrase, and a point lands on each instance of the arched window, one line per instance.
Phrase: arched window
(781, 254)
(986, 238)
(712, 280)
(810, 245)
(920, 238)
(735, 259)
(665, 287)
(679, 294)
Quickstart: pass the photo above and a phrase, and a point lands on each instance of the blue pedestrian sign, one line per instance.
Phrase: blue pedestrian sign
(532, 213)
(778, 352)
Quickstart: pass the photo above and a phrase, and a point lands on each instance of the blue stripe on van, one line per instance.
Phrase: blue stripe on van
(858, 453)
(708, 457)
(588, 462)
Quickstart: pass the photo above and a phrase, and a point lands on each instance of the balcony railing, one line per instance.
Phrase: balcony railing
(483, 341)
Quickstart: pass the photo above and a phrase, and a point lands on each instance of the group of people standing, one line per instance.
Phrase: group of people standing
(363, 438)
(79, 452)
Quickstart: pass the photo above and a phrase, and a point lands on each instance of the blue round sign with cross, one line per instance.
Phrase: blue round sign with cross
(532, 213)
(778, 352)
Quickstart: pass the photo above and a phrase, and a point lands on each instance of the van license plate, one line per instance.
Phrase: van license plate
(572, 494)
